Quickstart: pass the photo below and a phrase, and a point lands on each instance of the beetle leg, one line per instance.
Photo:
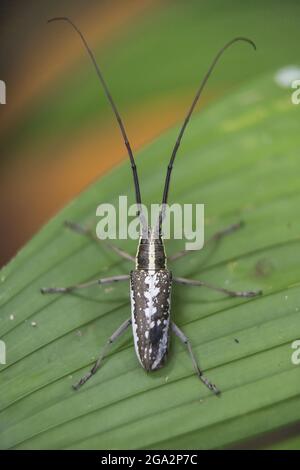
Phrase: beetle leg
(215, 237)
(119, 331)
(231, 293)
(89, 233)
(104, 280)
(226, 231)
(199, 372)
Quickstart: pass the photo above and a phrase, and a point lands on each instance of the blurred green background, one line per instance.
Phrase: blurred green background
(57, 132)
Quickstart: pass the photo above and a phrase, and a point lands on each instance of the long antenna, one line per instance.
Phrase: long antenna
(203, 83)
(121, 125)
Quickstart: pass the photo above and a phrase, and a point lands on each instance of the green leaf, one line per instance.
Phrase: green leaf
(240, 158)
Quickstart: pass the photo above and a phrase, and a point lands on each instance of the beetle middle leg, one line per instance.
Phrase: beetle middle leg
(103, 280)
(199, 372)
(119, 331)
(231, 293)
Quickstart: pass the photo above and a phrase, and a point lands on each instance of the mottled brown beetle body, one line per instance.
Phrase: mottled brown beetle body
(150, 293)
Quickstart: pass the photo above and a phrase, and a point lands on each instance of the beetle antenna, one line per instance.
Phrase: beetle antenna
(115, 110)
(187, 118)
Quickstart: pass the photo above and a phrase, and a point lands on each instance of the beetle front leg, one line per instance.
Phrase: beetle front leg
(231, 293)
(199, 372)
(104, 280)
(215, 237)
(89, 233)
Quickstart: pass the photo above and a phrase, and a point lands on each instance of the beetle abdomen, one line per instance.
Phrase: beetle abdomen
(150, 307)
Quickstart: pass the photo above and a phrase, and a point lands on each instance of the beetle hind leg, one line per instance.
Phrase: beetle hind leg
(199, 372)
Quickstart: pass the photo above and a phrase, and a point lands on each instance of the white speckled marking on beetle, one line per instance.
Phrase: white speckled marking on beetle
(152, 283)
(151, 315)
(134, 327)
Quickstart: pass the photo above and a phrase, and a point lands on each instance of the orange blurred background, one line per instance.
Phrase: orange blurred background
(34, 185)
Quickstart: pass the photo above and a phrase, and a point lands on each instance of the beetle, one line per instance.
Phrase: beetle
(151, 280)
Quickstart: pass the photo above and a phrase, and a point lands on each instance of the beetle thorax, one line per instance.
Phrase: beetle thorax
(151, 253)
